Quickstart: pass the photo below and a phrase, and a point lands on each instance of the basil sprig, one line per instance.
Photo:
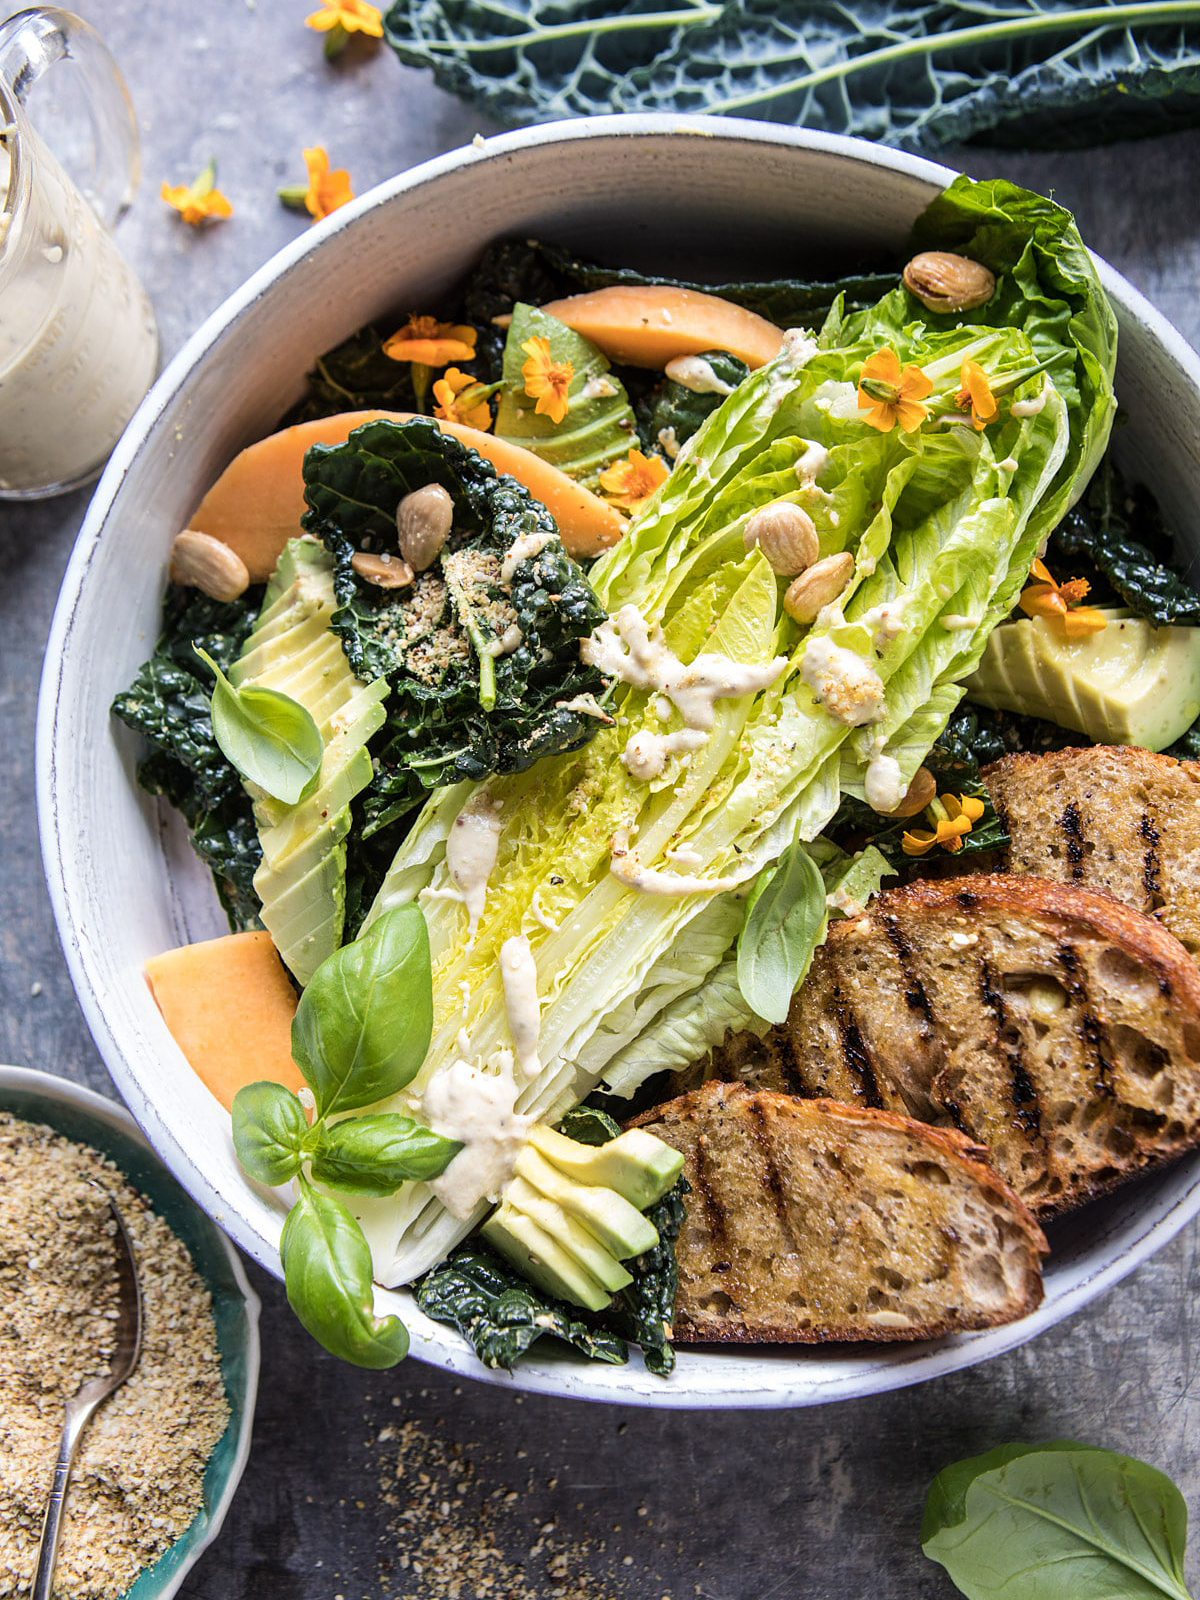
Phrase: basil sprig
(1057, 1522)
(361, 1031)
(784, 919)
(270, 738)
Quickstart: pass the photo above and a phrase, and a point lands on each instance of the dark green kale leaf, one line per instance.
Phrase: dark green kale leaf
(644, 1310)
(588, 1125)
(168, 704)
(1187, 746)
(356, 376)
(670, 414)
(502, 1315)
(1116, 539)
(455, 710)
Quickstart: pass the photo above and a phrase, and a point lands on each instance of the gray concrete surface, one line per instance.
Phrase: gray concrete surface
(594, 1502)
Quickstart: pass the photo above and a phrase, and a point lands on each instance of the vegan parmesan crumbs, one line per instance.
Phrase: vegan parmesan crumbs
(136, 1483)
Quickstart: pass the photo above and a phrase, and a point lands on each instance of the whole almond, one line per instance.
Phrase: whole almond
(819, 587)
(198, 561)
(945, 282)
(423, 521)
(385, 572)
(786, 535)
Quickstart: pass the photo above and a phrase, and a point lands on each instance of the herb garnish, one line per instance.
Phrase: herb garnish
(270, 738)
(361, 1031)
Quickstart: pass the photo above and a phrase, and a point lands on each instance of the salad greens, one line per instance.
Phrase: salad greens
(463, 703)
(941, 522)
(670, 414)
(269, 737)
(169, 705)
(1057, 1521)
(360, 1033)
(1038, 73)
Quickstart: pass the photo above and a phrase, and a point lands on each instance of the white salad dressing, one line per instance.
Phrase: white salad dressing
(698, 375)
(627, 869)
(471, 848)
(847, 686)
(1030, 408)
(518, 973)
(586, 705)
(78, 346)
(600, 387)
(669, 441)
(811, 464)
(523, 548)
(883, 784)
(955, 622)
(885, 622)
(478, 1109)
(507, 642)
(646, 755)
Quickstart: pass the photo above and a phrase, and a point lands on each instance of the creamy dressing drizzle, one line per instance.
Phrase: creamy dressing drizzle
(646, 755)
(883, 784)
(627, 869)
(523, 548)
(587, 706)
(847, 686)
(954, 621)
(478, 1109)
(669, 441)
(1030, 408)
(507, 642)
(812, 462)
(698, 375)
(471, 848)
(518, 972)
(601, 387)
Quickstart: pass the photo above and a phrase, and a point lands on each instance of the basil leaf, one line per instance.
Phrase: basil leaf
(269, 1131)
(327, 1274)
(1055, 1522)
(375, 1155)
(785, 920)
(362, 1027)
(270, 738)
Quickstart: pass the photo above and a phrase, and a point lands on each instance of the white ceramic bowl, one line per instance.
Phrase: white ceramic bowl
(706, 196)
(77, 1113)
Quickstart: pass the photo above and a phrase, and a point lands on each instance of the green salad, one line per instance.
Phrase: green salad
(533, 817)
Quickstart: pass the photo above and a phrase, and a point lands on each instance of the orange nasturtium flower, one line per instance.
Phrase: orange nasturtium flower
(891, 395)
(547, 381)
(976, 396)
(631, 482)
(430, 343)
(351, 16)
(326, 190)
(1059, 603)
(199, 201)
(950, 817)
(460, 398)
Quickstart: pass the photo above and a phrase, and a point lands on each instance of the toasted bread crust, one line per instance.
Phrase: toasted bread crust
(1108, 817)
(1047, 1022)
(813, 1222)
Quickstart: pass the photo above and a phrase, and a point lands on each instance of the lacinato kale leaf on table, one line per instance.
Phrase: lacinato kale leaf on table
(456, 710)
(1116, 539)
(168, 703)
(1034, 73)
(501, 1315)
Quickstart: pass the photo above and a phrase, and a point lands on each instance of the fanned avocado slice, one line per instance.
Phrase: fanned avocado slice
(302, 878)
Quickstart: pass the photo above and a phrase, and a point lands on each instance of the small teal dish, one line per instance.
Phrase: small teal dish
(89, 1118)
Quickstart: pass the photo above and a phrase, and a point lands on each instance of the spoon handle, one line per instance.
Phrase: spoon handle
(73, 1426)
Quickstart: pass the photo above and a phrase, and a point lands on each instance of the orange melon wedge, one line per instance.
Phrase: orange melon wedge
(647, 327)
(256, 504)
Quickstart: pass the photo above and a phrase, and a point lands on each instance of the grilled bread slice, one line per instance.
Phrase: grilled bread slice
(1047, 1022)
(811, 1222)
(1108, 817)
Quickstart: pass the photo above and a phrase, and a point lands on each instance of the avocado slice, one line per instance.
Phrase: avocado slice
(1132, 683)
(619, 1226)
(541, 1259)
(598, 1261)
(303, 914)
(638, 1166)
(297, 560)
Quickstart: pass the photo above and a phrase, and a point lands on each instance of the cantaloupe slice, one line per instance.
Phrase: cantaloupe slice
(256, 504)
(229, 1007)
(647, 327)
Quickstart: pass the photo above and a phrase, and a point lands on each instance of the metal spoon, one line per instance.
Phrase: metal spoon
(127, 1348)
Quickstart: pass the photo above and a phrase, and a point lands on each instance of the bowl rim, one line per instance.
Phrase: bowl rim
(443, 1346)
(112, 1112)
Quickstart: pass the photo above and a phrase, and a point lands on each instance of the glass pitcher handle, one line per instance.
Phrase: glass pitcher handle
(33, 41)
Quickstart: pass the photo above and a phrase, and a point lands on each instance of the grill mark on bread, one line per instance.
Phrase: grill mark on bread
(1092, 1027)
(915, 997)
(1008, 1046)
(766, 1150)
(786, 1059)
(714, 1211)
(1151, 865)
(1071, 828)
(855, 1055)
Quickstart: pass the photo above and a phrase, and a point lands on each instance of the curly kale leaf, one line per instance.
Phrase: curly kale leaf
(670, 414)
(501, 1315)
(1116, 539)
(456, 709)
(168, 704)
(644, 1310)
